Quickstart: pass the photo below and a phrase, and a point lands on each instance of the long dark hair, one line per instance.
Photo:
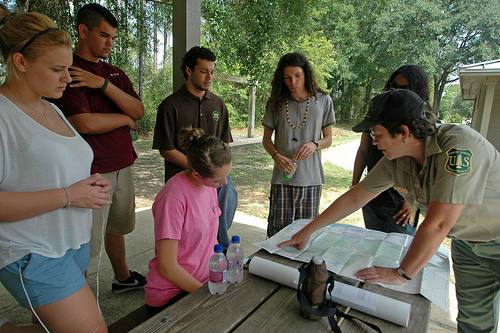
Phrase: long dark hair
(418, 80)
(279, 89)
(205, 153)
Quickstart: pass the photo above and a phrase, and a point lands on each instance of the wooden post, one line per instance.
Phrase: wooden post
(186, 33)
(251, 110)
(251, 98)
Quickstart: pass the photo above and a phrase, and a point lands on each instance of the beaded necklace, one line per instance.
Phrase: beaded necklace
(305, 116)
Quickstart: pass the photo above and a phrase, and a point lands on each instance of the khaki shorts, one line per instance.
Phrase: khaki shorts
(120, 215)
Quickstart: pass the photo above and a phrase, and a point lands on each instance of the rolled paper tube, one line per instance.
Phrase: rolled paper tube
(273, 271)
(358, 299)
(371, 303)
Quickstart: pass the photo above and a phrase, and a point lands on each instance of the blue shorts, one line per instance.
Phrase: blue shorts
(47, 280)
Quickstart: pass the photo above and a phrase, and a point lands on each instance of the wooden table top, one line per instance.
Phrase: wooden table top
(260, 305)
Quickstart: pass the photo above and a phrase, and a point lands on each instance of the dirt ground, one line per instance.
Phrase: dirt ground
(149, 175)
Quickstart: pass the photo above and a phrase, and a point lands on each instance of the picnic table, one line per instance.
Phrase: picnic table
(260, 305)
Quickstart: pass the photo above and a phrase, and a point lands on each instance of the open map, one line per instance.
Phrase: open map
(347, 249)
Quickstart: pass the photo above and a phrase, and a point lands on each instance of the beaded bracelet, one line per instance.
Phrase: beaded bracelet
(106, 81)
(67, 198)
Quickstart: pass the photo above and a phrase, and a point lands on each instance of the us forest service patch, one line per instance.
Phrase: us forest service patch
(215, 115)
(458, 161)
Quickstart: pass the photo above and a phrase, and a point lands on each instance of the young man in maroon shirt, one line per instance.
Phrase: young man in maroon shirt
(103, 106)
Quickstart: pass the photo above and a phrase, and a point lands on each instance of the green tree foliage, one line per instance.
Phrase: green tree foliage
(353, 44)
(348, 24)
(250, 37)
(133, 48)
(439, 35)
(453, 106)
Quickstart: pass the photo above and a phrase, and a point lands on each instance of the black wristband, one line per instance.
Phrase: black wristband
(274, 154)
(316, 143)
(402, 273)
(106, 81)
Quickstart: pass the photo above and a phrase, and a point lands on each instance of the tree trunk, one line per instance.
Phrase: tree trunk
(166, 47)
(155, 39)
(140, 43)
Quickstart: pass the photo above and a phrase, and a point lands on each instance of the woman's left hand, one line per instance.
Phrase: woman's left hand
(403, 215)
(305, 151)
(379, 274)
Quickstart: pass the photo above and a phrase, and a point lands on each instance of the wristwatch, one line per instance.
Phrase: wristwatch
(316, 143)
(402, 272)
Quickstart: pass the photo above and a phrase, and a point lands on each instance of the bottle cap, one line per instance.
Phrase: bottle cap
(235, 239)
(218, 248)
(317, 260)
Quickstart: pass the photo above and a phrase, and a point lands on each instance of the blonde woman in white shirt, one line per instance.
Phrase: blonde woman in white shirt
(46, 190)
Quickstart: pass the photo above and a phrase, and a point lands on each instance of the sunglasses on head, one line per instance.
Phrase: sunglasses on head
(394, 85)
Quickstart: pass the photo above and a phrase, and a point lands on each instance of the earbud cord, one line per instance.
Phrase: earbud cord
(29, 301)
(106, 211)
(105, 215)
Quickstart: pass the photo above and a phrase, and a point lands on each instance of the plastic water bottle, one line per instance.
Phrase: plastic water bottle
(217, 282)
(133, 134)
(235, 261)
(286, 175)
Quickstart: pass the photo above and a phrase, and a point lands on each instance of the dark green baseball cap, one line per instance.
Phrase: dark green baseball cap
(392, 105)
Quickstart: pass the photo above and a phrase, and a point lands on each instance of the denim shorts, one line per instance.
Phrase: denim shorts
(47, 280)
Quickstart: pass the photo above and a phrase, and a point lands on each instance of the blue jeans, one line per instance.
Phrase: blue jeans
(379, 216)
(228, 201)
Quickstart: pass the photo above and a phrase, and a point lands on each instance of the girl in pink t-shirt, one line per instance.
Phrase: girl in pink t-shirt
(186, 215)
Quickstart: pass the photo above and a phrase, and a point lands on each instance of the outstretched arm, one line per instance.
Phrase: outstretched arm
(439, 220)
(345, 205)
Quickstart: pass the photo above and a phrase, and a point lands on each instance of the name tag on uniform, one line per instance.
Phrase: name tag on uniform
(400, 189)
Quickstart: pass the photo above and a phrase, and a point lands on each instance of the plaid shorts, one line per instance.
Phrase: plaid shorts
(290, 203)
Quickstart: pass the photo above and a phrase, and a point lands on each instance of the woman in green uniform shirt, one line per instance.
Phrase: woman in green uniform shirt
(453, 173)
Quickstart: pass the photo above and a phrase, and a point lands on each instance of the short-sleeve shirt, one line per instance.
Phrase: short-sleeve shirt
(189, 214)
(287, 140)
(460, 167)
(113, 150)
(182, 109)
(33, 158)
(391, 197)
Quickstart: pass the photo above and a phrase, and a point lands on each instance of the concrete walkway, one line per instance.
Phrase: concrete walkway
(140, 249)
